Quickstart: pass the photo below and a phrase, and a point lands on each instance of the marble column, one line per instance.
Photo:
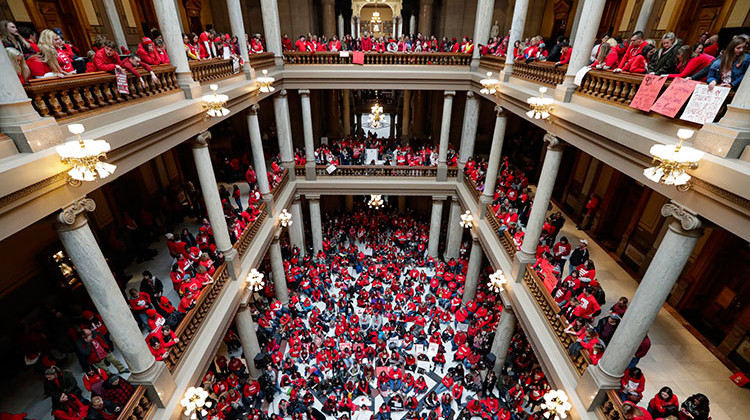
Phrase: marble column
(482, 23)
(730, 136)
(436, 222)
(207, 179)
(425, 17)
(405, 128)
(353, 26)
(412, 25)
(644, 15)
(418, 114)
(468, 132)
(396, 19)
(588, 24)
(516, 34)
(234, 10)
(400, 26)
(349, 203)
(81, 246)
(340, 21)
(401, 204)
(115, 23)
(455, 231)
(506, 327)
(18, 118)
(334, 113)
(272, 28)
(316, 222)
(248, 338)
(684, 231)
(284, 132)
(328, 12)
(493, 165)
(576, 21)
(259, 159)
(297, 229)
(346, 113)
(475, 267)
(359, 27)
(277, 270)
(445, 132)
(539, 207)
(307, 129)
(169, 24)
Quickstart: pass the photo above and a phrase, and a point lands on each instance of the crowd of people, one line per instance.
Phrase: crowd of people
(370, 43)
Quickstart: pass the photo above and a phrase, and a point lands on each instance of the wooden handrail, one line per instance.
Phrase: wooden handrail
(493, 62)
(612, 406)
(473, 187)
(540, 71)
(212, 70)
(63, 97)
(375, 58)
(251, 231)
(505, 239)
(278, 187)
(261, 61)
(138, 407)
(378, 170)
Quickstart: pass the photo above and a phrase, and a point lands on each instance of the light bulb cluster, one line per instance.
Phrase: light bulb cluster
(467, 220)
(214, 103)
(671, 162)
(376, 118)
(285, 218)
(556, 405)
(265, 82)
(489, 85)
(254, 280)
(195, 403)
(86, 156)
(375, 202)
(497, 281)
(541, 107)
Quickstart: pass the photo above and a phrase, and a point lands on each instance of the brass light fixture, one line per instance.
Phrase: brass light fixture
(497, 281)
(285, 218)
(265, 82)
(375, 202)
(214, 103)
(672, 161)
(86, 156)
(467, 220)
(489, 85)
(195, 401)
(541, 107)
(556, 405)
(254, 281)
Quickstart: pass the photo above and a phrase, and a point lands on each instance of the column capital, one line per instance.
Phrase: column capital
(201, 140)
(313, 197)
(449, 93)
(439, 198)
(253, 109)
(296, 199)
(470, 95)
(73, 216)
(500, 111)
(304, 92)
(690, 223)
(554, 143)
(282, 93)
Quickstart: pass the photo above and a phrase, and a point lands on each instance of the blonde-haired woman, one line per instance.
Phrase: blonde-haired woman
(52, 60)
(16, 57)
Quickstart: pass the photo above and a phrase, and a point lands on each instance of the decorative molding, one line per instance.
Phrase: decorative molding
(554, 143)
(721, 192)
(500, 111)
(449, 93)
(17, 195)
(253, 109)
(304, 92)
(688, 219)
(201, 140)
(283, 93)
(68, 214)
(470, 95)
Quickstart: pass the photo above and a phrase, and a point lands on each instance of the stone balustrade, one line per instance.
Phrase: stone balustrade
(261, 61)
(213, 70)
(542, 72)
(493, 63)
(386, 58)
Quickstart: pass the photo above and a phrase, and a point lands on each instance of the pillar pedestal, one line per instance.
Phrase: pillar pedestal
(158, 381)
(729, 137)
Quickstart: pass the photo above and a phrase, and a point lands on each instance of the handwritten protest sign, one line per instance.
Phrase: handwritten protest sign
(647, 92)
(432, 349)
(677, 93)
(704, 104)
(358, 57)
(580, 75)
(122, 81)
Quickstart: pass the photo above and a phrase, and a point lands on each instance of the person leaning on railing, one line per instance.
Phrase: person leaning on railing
(730, 68)
(51, 60)
(106, 59)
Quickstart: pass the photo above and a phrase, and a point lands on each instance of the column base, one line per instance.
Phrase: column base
(474, 64)
(565, 90)
(506, 73)
(518, 269)
(290, 169)
(483, 202)
(593, 387)
(727, 138)
(248, 71)
(442, 172)
(34, 136)
(310, 174)
(268, 199)
(233, 263)
(460, 172)
(159, 383)
(190, 87)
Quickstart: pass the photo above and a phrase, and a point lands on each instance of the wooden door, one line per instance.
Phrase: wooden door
(609, 16)
(62, 14)
(698, 16)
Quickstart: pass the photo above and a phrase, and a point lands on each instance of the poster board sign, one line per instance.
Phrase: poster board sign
(462, 327)
(344, 54)
(345, 345)
(580, 75)
(418, 349)
(672, 100)
(648, 92)
(432, 350)
(394, 342)
(225, 53)
(358, 57)
(371, 155)
(704, 104)
(235, 65)
(423, 364)
(331, 169)
(122, 81)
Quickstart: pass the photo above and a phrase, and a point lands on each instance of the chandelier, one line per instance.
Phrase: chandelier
(672, 161)
(265, 82)
(556, 405)
(194, 401)
(467, 220)
(285, 218)
(489, 85)
(497, 281)
(376, 17)
(254, 280)
(214, 103)
(376, 117)
(375, 202)
(541, 107)
(86, 156)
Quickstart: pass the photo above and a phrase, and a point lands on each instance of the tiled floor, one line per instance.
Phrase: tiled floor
(676, 359)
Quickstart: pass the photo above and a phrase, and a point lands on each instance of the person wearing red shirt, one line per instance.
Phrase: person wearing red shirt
(147, 52)
(691, 62)
(157, 350)
(664, 404)
(93, 379)
(565, 53)
(69, 407)
(639, 63)
(106, 59)
(286, 43)
(634, 50)
(632, 385)
(302, 44)
(588, 304)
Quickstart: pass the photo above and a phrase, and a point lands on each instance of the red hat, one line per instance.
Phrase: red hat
(218, 39)
(454, 39)
(151, 312)
(146, 40)
(226, 36)
(194, 249)
(203, 229)
(87, 314)
(212, 247)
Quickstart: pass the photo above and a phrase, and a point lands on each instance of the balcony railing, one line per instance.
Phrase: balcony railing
(493, 62)
(551, 310)
(540, 72)
(261, 61)
(617, 88)
(276, 190)
(473, 187)
(212, 70)
(612, 406)
(251, 231)
(386, 58)
(138, 407)
(68, 96)
(505, 239)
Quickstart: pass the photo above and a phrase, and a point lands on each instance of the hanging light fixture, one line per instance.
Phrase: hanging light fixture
(195, 401)
(489, 85)
(541, 107)
(254, 281)
(556, 405)
(376, 17)
(376, 117)
(285, 218)
(214, 103)
(86, 156)
(265, 82)
(672, 161)
(497, 281)
(375, 202)
(467, 220)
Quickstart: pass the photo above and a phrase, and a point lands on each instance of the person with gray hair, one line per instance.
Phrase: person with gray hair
(664, 59)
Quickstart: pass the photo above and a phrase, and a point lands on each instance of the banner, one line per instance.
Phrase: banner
(647, 92)
(580, 75)
(705, 104)
(122, 81)
(358, 57)
(677, 93)
(432, 350)
(343, 53)
(330, 169)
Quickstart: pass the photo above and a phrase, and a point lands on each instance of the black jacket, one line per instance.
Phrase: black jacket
(664, 62)
(579, 256)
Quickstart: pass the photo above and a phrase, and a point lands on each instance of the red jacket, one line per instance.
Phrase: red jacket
(637, 64)
(102, 62)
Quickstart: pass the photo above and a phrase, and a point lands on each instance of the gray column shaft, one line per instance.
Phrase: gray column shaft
(115, 23)
(297, 230)
(493, 165)
(541, 200)
(469, 130)
(643, 16)
(435, 223)
(259, 160)
(11, 90)
(234, 10)
(84, 252)
(248, 339)
(473, 271)
(169, 25)
(506, 327)
(277, 269)
(516, 27)
(455, 231)
(284, 130)
(742, 95)
(316, 225)
(211, 196)
(271, 27)
(482, 23)
(445, 127)
(588, 24)
(576, 21)
(307, 127)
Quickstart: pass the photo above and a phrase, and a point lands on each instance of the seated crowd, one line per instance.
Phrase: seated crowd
(370, 43)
